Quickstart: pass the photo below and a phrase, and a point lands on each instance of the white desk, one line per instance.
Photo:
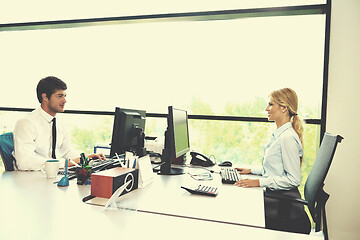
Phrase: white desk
(32, 207)
(232, 205)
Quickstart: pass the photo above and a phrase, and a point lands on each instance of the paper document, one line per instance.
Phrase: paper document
(146, 174)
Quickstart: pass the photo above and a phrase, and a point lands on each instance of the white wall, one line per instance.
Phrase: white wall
(343, 180)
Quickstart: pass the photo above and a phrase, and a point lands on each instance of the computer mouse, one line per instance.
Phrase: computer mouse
(225, 164)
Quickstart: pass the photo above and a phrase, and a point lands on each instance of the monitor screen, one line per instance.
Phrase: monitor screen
(180, 129)
(176, 140)
(128, 132)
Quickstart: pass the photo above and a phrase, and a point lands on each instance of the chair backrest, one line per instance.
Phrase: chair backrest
(6, 149)
(315, 181)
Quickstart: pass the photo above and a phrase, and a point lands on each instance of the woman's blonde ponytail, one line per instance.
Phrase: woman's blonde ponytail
(298, 126)
(287, 97)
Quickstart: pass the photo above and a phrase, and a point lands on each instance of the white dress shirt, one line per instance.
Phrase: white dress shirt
(33, 141)
(281, 168)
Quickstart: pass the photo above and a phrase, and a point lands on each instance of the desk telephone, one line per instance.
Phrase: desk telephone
(200, 159)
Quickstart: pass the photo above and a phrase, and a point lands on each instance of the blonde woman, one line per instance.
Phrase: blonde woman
(283, 155)
(281, 166)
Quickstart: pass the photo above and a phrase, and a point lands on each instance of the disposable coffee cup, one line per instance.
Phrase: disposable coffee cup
(51, 168)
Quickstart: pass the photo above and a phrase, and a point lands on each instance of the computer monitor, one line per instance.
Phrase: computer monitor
(176, 140)
(128, 132)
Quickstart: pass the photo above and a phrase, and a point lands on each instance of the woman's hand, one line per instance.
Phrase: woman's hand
(246, 183)
(244, 170)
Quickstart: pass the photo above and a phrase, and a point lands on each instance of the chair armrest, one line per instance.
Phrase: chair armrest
(283, 197)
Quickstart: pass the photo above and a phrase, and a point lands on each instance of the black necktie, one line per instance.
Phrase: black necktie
(53, 138)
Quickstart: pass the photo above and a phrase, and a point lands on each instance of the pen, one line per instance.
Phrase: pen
(82, 159)
(134, 165)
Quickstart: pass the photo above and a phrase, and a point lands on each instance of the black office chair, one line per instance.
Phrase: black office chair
(6, 149)
(315, 196)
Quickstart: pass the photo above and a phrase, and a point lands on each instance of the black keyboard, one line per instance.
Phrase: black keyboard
(97, 166)
(229, 175)
(203, 190)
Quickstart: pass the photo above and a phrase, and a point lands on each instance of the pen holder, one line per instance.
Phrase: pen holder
(83, 175)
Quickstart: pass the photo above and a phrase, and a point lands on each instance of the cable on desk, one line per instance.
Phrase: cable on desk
(201, 176)
(214, 158)
(158, 165)
(199, 167)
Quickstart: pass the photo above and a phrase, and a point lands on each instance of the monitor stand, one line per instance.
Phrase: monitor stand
(172, 171)
(165, 168)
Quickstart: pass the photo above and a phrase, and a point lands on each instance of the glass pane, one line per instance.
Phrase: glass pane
(88, 131)
(43, 10)
(7, 124)
(243, 143)
(238, 142)
(8, 120)
(221, 65)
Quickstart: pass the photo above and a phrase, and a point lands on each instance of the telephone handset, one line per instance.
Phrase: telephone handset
(200, 159)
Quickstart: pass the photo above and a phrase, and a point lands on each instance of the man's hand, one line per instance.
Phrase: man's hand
(97, 156)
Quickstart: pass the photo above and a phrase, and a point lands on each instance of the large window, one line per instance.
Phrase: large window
(153, 65)
(217, 66)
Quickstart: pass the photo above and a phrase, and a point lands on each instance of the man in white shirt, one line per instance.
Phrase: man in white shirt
(33, 134)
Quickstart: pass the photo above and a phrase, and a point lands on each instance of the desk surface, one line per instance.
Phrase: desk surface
(232, 205)
(32, 207)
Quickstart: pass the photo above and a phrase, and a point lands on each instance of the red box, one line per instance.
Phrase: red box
(105, 183)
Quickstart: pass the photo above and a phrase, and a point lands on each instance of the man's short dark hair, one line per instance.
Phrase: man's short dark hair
(49, 85)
